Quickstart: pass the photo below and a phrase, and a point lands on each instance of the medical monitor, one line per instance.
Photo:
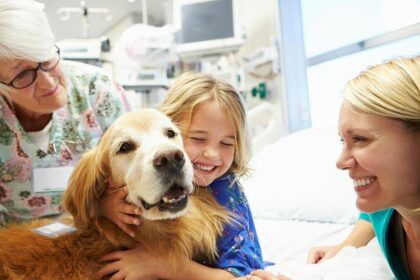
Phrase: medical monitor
(207, 26)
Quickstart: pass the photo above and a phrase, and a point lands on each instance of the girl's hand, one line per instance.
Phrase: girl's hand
(115, 208)
(319, 254)
(132, 264)
(264, 275)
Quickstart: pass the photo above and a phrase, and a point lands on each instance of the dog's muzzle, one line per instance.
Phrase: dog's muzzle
(169, 165)
(174, 200)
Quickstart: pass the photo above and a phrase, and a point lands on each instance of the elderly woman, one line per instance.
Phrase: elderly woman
(380, 129)
(51, 112)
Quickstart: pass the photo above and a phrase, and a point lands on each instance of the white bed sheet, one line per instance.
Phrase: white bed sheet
(287, 242)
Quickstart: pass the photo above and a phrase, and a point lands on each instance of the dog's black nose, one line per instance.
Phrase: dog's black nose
(168, 161)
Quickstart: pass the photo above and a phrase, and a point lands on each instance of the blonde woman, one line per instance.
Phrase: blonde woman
(380, 129)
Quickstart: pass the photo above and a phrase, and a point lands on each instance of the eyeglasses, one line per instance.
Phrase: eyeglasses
(28, 77)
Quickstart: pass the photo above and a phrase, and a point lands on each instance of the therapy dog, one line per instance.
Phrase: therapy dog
(142, 150)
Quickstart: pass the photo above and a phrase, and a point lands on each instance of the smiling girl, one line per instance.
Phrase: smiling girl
(212, 120)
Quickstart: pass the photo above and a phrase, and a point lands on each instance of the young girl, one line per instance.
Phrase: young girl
(211, 117)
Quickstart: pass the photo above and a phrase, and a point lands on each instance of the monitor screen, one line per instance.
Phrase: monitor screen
(208, 20)
(208, 26)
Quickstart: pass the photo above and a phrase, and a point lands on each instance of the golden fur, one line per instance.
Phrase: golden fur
(27, 255)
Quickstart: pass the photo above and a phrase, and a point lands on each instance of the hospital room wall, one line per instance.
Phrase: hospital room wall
(262, 30)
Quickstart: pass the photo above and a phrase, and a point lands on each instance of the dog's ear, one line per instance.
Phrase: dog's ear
(86, 186)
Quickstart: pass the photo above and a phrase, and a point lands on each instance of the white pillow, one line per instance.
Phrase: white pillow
(296, 178)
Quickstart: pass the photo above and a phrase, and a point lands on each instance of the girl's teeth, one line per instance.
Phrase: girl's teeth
(204, 167)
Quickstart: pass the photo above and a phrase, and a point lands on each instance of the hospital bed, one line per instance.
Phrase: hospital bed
(299, 200)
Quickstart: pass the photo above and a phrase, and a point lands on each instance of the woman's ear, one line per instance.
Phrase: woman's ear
(86, 186)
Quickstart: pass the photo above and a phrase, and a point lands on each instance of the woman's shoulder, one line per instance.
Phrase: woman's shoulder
(82, 75)
(383, 213)
(378, 216)
(78, 68)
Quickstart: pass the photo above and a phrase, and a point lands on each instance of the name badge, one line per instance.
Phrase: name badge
(54, 229)
(53, 179)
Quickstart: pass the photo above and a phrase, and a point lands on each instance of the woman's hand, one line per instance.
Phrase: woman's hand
(319, 254)
(115, 208)
(360, 235)
(132, 264)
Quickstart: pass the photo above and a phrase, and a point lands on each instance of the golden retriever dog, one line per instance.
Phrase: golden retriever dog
(142, 150)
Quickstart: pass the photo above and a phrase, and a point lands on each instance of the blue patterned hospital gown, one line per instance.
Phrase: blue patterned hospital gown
(239, 248)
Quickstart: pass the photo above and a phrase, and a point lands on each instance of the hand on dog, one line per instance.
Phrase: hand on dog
(114, 207)
(132, 264)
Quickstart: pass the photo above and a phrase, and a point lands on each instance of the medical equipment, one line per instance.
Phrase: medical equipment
(141, 56)
(84, 50)
(84, 11)
(207, 27)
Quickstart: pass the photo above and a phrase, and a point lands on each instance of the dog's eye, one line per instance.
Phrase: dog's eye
(170, 133)
(126, 147)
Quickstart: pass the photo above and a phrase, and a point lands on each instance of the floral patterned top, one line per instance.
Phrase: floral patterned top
(94, 102)
(239, 249)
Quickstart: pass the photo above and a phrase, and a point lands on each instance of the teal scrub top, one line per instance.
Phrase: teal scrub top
(382, 221)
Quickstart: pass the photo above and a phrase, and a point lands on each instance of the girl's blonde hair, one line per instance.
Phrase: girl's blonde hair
(193, 89)
(390, 90)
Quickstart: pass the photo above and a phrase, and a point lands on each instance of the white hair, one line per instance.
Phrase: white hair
(24, 31)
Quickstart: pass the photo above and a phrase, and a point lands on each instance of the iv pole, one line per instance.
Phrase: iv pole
(84, 11)
(144, 12)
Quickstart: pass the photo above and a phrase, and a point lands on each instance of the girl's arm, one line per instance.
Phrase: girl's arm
(114, 207)
(192, 271)
(361, 234)
(239, 248)
(137, 264)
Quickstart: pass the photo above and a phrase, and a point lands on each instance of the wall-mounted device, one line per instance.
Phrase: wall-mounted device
(208, 26)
